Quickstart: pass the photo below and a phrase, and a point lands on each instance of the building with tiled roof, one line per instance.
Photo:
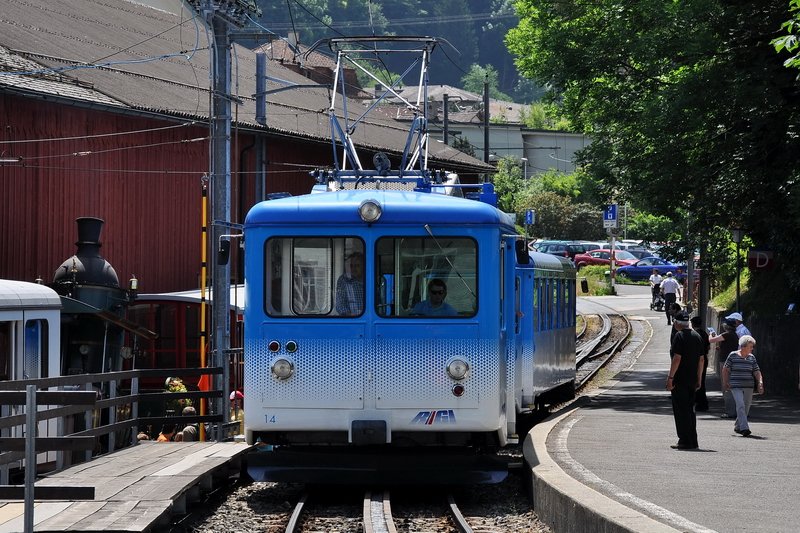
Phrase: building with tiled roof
(104, 109)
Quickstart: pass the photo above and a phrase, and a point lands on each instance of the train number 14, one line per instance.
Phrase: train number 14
(270, 419)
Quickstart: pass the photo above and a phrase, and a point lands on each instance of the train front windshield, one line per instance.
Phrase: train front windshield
(406, 277)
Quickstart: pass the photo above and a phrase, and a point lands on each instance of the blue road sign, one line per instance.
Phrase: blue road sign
(530, 216)
(610, 216)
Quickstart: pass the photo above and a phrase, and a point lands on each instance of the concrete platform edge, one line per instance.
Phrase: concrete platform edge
(565, 504)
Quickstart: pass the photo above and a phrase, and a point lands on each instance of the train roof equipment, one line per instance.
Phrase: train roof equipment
(348, 171)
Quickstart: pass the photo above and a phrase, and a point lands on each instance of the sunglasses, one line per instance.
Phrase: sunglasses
(437, 292)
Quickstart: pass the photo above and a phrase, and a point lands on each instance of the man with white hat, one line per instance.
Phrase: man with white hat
(741, 329)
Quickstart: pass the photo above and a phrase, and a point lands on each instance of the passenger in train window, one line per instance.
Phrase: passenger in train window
(350, 286)
(435, 304)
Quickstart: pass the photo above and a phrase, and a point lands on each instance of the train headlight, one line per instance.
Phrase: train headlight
(282, 369)
(457, 369)
(370, 211)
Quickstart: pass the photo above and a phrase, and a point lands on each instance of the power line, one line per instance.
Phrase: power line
(100, 135)
(411, 21)
(118, 149)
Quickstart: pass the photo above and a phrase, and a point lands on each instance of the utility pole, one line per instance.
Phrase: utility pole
(486, 119)
(218, 16)
(445, 118)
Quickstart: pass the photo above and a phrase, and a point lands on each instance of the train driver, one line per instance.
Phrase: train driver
(350, 286)
(435, 304)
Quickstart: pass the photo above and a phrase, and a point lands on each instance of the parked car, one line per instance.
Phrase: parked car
(642, 269)
(603, 257)
(640, 253)
(561, 248)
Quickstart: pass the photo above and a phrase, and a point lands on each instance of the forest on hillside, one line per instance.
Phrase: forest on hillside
(475, 30)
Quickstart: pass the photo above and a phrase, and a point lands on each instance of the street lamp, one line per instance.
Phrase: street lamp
(524, 167)
(736, 236)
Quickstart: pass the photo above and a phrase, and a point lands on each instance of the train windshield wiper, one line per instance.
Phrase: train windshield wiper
(446, 258)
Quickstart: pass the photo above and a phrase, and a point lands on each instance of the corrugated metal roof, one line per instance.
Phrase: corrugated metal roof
(159, 62)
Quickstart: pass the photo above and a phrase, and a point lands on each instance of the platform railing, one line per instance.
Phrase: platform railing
(95, 428)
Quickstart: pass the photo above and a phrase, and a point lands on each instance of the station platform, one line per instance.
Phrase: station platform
(605, 464)
(136, 489)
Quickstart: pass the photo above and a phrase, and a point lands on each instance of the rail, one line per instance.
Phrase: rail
(111, 421)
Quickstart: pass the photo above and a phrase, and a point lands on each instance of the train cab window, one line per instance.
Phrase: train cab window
(315, 276)
(35, 349)
(422, 276)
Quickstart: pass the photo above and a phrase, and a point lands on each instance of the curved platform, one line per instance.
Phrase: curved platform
(605, 464)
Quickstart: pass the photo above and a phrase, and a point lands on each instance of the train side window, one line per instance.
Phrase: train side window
(35, 349)
(559, 304)
(548, 304)
(5, 350)
(407, 266)
(517, 304)
(537, 282)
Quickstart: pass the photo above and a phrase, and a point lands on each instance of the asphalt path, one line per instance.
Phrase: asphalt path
(619, 444)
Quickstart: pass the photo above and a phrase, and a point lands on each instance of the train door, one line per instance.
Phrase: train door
(526, 292)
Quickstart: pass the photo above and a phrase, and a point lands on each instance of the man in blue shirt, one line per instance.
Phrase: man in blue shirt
(435, 304)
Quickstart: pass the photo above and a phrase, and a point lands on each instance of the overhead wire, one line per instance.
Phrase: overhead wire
(100, 135)
(108, 150)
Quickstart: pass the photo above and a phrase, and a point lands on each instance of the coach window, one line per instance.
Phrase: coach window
(314, 276)
(422, 276)
(35, 352)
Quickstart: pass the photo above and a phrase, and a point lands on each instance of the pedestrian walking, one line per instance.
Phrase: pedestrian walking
(741, 329)
(669, 288)
(685, 373)
(741, 375)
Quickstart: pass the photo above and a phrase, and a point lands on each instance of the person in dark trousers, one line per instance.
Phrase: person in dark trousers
(685, 373)
(728, 342)
(669, 288)
(700, 398)
(674, 309)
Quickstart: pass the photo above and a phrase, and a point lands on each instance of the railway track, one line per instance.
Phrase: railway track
(594, 354)
(376, 513)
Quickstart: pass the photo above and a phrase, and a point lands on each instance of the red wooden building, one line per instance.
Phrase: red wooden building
(104, 113)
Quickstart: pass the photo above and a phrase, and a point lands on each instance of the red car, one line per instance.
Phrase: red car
(603, 257)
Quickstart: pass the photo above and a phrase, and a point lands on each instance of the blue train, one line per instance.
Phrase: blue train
(386, 323)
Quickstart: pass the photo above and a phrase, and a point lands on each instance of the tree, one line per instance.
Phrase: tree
(692, 114)
(553, 197)
(474, 80)
(508, 182)
(789, 42)
(463, 144)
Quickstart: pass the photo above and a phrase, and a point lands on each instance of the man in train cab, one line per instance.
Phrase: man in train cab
(435, 304)
(685, 375)
(350, 286)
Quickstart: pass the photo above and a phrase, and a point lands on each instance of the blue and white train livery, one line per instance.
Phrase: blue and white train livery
(392, 320)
